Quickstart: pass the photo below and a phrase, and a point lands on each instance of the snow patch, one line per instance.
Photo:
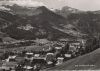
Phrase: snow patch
(4, 8)
(24, 3)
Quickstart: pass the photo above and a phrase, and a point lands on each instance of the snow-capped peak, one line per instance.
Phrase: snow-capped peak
(24, 3)
(4, 8)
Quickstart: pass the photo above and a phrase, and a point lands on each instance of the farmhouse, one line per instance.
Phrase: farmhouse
(29, 56)
(59, 60)
(11, 58)
(73, 46)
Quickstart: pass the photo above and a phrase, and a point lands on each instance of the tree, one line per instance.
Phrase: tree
(65, 49)
(92, 44)
(1, 40)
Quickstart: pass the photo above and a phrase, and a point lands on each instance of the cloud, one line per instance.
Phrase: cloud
(56, 4)
(26, 3)
(62, 0)
(85, 4)
(59, 0)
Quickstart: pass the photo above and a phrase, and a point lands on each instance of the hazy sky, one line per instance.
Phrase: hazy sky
(56, 4)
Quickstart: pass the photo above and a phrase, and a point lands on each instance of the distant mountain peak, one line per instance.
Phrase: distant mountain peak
(4, 8)
(42, 7)
(25, 11)
(66, 10)
(97, 12)
(73, 10)
(24, 3)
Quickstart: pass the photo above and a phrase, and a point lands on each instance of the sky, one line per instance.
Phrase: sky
(58, 4)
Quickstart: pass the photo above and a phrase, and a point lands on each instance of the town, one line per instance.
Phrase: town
(30, 55)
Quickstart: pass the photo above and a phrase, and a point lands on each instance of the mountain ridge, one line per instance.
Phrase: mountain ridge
(42, 22)
(39, 25)
(87, 22)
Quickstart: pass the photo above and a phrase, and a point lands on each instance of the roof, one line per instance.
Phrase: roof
(29, 53)
(50, 53)
(60, 58)
(58, 47)
(28, 67)
(12, 57)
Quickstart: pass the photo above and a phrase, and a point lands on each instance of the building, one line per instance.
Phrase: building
(58, 49)
(28, 68)
(68, 55)
(11, 58)
(50, 57)
(74, 46)
(59, 60)
(29, 56)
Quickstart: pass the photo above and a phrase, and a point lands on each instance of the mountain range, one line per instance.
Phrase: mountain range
(65, 11)
(87, 22)
(42, 23)
(39, 22)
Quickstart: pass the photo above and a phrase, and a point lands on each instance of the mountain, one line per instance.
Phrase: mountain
(41, 23)
(66, 10)
(97, 12)
(88, 22)
(7, 19)
(22, 11)
(90, 61)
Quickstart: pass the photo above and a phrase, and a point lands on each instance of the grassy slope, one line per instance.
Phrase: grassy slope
(92, 58)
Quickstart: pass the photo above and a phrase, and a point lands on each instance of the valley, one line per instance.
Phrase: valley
(37, 38)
